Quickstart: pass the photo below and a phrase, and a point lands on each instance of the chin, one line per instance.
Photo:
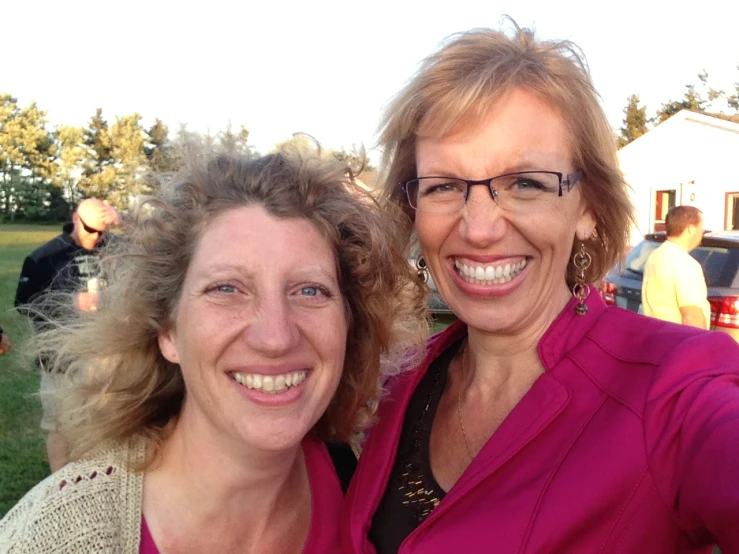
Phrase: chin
(284, 435)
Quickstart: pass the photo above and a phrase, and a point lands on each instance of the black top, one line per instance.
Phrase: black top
(412, 491)
(58, 265)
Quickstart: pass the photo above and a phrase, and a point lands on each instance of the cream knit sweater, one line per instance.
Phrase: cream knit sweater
(92, 505)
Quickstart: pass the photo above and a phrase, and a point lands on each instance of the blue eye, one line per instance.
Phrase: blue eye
(309, 291)
(226, 288)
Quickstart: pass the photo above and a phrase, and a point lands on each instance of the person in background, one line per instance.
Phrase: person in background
(542, 421)
(674, 287)
(247, 312)
(67, 263)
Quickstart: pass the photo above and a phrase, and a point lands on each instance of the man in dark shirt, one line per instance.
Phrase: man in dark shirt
(67, 263)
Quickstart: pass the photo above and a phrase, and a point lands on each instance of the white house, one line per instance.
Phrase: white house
(690, 159)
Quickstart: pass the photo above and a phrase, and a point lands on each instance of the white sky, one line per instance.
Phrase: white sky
(324, 67)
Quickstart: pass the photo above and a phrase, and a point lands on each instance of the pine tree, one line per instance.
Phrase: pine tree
(98, 173)
(634, 122)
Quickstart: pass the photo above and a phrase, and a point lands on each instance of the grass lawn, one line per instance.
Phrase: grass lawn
(22, 449)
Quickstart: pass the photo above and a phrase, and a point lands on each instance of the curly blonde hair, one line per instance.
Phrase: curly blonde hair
(119, 384)
(474, 70)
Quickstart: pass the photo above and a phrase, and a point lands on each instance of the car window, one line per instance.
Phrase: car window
(636, 259)
(719, 264)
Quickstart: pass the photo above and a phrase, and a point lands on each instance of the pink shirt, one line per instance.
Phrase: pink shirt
(629, 442)
(326, 499)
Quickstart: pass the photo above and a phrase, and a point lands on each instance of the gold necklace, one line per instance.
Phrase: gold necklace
(459, 409)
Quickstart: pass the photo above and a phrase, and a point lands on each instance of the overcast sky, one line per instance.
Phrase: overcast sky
(323, 67)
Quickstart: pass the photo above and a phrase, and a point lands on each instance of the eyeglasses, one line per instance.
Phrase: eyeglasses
(88, 228)
(522, 191)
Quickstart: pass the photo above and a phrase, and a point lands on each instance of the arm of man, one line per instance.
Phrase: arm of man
(691, 294)
(693, 316)
(28, 284)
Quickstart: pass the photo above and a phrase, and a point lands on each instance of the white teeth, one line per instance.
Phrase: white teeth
(272, 384)
(491, 274)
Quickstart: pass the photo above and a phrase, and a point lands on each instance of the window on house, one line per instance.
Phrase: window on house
(664, 201)
(731, 221)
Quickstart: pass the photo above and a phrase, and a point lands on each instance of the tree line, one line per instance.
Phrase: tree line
(45, 171)
(699, 97)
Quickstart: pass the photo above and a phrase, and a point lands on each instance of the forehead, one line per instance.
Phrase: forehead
(251, 237)
(518, 131)
(90, 212)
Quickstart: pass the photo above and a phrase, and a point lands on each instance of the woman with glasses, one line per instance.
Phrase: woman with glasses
(247, 310)
(541, 421)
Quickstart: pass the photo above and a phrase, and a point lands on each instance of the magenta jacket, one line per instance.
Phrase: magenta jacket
(628, 443)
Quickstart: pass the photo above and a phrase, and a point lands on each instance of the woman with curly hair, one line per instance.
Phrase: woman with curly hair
(247, 312)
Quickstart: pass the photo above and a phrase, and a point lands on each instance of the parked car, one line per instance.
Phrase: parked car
(437, 306)
(718, 255)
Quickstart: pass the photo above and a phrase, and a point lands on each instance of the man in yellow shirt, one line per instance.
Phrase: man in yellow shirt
(674, 287)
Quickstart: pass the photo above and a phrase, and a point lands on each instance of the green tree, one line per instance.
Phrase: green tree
(27, 153)
(733, 100)
(98, 173)
(161, 153)
(356, 158)
(236, 141)
(128, 139)
(696, 99)
(301, 144)
(691, 100)
(70, 161)
(634, 122)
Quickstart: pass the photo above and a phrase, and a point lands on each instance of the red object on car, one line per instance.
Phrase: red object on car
(725, 311)
(608, 292)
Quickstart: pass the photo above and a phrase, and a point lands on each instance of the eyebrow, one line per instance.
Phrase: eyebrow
(530, 161)
(310, 272)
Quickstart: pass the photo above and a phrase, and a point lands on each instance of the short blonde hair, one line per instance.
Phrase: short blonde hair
(120, 384)
(474, 70)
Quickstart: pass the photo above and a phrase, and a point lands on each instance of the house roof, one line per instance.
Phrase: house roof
(725, 122)
(726, 117)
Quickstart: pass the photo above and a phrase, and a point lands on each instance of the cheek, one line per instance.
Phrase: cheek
(431, 231)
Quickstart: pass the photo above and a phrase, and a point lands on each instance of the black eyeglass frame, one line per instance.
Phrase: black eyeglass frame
(567, 181)
(88, 228)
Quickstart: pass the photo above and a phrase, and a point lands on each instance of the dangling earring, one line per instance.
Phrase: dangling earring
(580, 290)
(422, 269)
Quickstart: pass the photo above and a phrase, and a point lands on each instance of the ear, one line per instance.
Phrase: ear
(168, 346)
(585, 225)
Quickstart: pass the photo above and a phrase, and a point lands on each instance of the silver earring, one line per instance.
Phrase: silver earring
(580, 290)
(422, 269)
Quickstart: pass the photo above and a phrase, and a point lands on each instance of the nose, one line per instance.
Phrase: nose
(482, 221)
(272, 329)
